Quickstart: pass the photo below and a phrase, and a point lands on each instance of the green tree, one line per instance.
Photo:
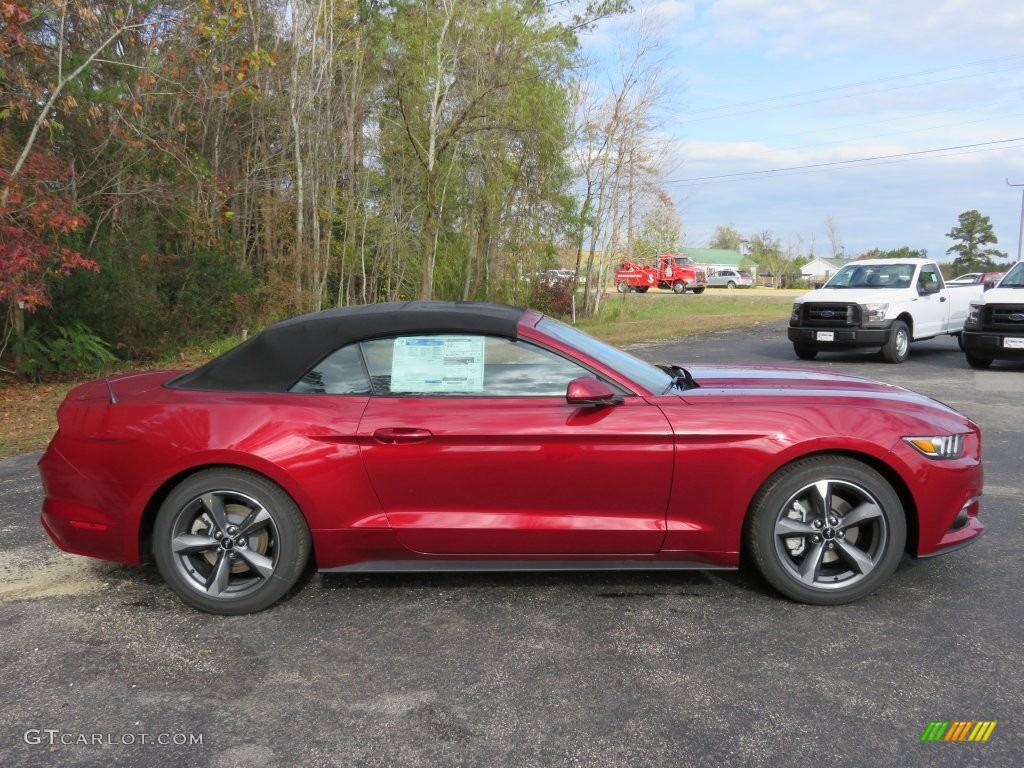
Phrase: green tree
(766, 251)
(970, 238)
(904, 252)
(661, 229)
(726, 237)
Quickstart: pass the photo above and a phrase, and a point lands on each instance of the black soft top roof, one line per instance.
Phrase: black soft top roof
(273, 360)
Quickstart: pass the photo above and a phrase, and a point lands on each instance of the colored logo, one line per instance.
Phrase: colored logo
(959, 730)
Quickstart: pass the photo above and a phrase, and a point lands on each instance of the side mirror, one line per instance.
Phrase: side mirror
(990, 284)
(588, 390)
(923, 289)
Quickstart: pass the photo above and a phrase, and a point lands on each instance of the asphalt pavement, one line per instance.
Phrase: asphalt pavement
(102, 666)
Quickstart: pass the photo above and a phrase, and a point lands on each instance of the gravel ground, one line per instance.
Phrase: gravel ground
(102, 666)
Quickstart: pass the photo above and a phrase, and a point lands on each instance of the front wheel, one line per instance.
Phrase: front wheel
(805, 353)
(897, 347)
(229, 541)
(621, 287)
(826, 530)
(731, 285)
(678, 287)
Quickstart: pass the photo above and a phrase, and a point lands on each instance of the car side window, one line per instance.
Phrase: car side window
(340, 373)
(929, 276)
(466, 365)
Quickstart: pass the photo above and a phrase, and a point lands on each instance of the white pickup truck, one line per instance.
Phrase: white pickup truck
(994, 329)
(885, 303)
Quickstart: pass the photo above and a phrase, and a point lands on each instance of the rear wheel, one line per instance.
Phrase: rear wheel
(230, 541)
(641, 289)
(897, 347)
(805, 353)
(978, 362)
(698, 291)
(826, 530)
(678, 287)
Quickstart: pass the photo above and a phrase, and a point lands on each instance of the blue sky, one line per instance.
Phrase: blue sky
(753, 86)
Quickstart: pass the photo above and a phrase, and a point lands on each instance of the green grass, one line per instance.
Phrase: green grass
(632, 318)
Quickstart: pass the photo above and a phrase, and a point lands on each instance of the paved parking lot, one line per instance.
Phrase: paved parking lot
(102, 666)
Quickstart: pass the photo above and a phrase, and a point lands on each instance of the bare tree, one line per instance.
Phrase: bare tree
(834, 238)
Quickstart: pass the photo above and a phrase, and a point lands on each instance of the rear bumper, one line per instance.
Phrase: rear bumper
(94, 524)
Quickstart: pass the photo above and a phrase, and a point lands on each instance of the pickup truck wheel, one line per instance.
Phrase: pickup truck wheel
(698, 291)
(641, 289)
(978, 362)
(805, 353)
(621, 287)
(897, 347)
(960, 341)
(826, 530)
(678, 287)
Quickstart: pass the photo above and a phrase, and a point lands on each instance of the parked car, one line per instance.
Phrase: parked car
(994, 329)
(459, 436)
(973, 278)
(880, 303)
(551, 277)
(730, 278)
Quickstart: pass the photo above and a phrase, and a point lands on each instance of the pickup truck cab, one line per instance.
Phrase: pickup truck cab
(994, 329)
(884, 303)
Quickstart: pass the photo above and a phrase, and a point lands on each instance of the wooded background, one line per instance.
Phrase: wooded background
(173, 171)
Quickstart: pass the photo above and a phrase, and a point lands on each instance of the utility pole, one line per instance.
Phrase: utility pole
(1020, 235)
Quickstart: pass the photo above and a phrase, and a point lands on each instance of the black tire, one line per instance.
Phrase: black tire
(621, 287)
(825, 556)
(960, 341)
(805, 353)
(978, 362)
(698, 291)
(229, 541)
(679, 287)
(730, 285)
(641, 289)
(897, 347)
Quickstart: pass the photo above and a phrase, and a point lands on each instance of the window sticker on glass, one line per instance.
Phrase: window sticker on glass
(438, 364)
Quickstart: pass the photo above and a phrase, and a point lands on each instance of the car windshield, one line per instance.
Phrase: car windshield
(1014, 278)
(872, 276)
(643, 373)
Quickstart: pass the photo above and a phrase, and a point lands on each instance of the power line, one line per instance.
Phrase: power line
(835, 163)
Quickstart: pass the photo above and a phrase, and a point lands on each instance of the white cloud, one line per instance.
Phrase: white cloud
(825, 26)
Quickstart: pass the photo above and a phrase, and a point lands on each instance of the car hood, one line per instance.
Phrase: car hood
(1001, 296)
(851, 295)
(772, 377)
(807, 381)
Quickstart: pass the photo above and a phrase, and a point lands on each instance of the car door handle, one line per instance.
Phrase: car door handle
(396, 435)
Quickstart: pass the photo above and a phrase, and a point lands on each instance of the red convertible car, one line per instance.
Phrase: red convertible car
(428, 435)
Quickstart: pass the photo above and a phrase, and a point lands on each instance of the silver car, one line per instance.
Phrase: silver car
(730, 278)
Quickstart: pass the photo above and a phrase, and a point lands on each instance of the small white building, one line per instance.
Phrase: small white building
(713, 259)
(819, 269)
